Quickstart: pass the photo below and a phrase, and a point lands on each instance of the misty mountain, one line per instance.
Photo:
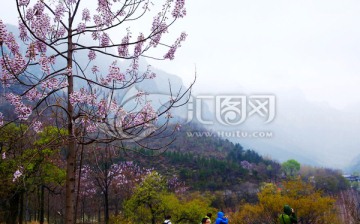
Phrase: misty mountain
(313, 133)
(354, 165)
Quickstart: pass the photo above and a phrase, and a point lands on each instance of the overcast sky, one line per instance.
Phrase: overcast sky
(307, 47)
(262, 45)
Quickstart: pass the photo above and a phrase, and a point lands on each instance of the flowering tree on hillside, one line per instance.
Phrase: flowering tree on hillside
(42, 75)
(114, 181)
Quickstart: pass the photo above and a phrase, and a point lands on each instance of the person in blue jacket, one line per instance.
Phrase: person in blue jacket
(221, 219)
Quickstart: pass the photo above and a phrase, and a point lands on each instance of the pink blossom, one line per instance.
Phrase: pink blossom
(82, 96)
(3, 155)
(176, 185)
(40, 46)
(135, 64)
(138, 51)
(158, 28)
(171, 53)
(18, 173)
(81, 27)
(39, 7)
(59, 12)
(103, 5)
(86, 15)
(3, 32)
(95, 35)
(5, 75)
(95, 69)
(31, 52)
(1, 119)
(145, 116)
(22, 111)
(107, 15)
(23, 31)
(33, 94)
(98, 21)
(101, 109)
(37, 127)
(139, 45)
(179, 10)
(40, 23)
(103, 81)
(44, 63)
(114, 74)
(90, 126)
(20, 62)
(30, 13)
(17, 64)
(152, 75)
(11, 43)
(24, 2)
(246, 165)
(60, 32)
(52, 59)
(92, 55)
(123, 49)
(51, 83)
(104, 40)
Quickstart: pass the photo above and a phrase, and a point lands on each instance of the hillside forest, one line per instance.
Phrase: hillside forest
(186, 181)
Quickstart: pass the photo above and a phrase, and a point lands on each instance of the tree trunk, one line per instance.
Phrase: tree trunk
(99, 215)
(71, 156)
(48, 207)
(14, 206)
(37, 210)
(42, 207)
(106, 197)
(70, 184)
(83, 211)
(27, 212)
(79, 183)
(21, 210)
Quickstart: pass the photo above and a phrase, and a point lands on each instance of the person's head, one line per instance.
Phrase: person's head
(209, 215)
(168, 217)
(220, 214)
(287, 209)
(205, 221)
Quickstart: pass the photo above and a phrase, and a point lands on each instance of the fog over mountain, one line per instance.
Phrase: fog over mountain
(311, 132)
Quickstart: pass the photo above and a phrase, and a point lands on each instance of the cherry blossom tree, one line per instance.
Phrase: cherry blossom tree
(113, 180)
(43, 77)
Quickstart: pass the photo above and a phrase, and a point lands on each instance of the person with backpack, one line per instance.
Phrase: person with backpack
(167, 219)
(221, 219)
(288, 217)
